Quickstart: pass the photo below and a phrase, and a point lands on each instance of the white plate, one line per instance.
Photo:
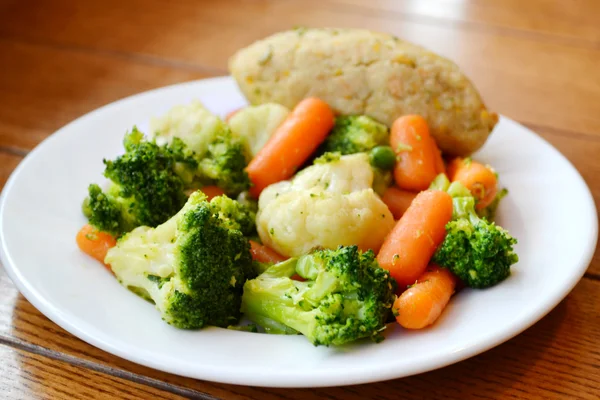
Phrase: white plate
(549, 209)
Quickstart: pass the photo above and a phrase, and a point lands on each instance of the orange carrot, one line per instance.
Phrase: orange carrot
(398, 200)
(266, 254)
(440, 168)
(95, 243)
(416, 159)
(263, 253)
(410, 245)
(292, 143)
(422, 304)
(212, 191)
(479, 179)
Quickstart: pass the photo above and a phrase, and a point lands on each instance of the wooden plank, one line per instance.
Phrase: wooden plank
(553, 359)
(25, 375)
(8, 162)
(550, 20)
(517, 75)
(70, 84)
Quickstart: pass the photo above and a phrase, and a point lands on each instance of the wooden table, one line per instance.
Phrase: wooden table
(536, 61)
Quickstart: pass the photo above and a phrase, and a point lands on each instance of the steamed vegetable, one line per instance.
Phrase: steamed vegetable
(221, 156)
(398, 200)
(94, 243)
(291, 145)
(346, 296)
(326, 205)
(147, 185)
(383, 157)
(479, 179)
(193, 266)
(417, 158)
(256, 124)
(476, 250)
(355, 134)
(408, 248)
(421, 304)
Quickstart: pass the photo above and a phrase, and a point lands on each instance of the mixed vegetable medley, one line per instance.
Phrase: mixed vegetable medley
(300, 221)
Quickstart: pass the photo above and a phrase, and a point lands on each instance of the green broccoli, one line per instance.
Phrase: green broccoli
(355, 134)
(147, 186)
(221, 155)
(346, 296)
(478, 251)
(193, 267)
(224, 164)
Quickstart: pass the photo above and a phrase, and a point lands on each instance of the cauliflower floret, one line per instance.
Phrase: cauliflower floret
(326, 205)
(192, 123)
(256, 124)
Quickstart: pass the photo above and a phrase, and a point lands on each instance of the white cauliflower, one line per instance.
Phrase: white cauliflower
(256, 124)
(192, 123)
(326, 205)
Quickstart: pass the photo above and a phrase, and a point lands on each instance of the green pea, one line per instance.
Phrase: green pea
(382, 157)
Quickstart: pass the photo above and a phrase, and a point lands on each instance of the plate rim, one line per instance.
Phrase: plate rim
(38, 301)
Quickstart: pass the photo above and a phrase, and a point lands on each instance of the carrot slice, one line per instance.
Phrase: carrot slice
(423, 303)
(291, 145)
(95, 243)
(413, 240)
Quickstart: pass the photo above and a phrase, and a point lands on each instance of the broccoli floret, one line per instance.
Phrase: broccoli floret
(235, 215)
(224, 164)
(221, 155)
(355, 134)
(478, 251)
(193, 267)
(346, 296)
(147, 186)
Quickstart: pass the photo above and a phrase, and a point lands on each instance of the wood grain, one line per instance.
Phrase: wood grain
(8, 162)
(576, 21)
(70, 84)
(24, 375)
(556, 358)
(517, 75)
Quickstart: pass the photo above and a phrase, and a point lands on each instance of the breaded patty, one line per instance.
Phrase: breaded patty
(363, 72)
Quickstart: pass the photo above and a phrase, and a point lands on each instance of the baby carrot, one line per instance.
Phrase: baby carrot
(410, 245)
(397, 200)
(212, 191)
(440, 168)
(422, 304)
(263, 253)
(266, 254)
(416, 159)
(95, 243)
(291, 145)
(479, 179)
